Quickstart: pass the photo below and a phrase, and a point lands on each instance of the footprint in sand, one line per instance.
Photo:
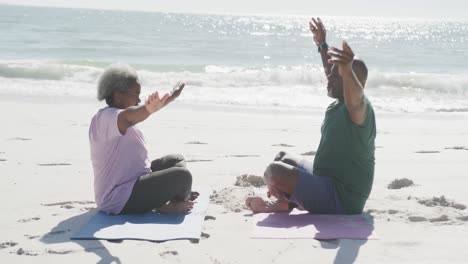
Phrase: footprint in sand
(195, 143)
(23, 252)
(441, 201)
(205, 235)
(457, 148)
(389, 214)
(169, 253)
(72, 204)
(54, 164)
(309, 153)
(199, 160)
(241, 156)
(67, 206)
(463, 218)
(371, 211)
(8, 244)
(20, 139)
(283, 145)
(31, 237)
(58, 252)
(209, 217)
(417, 218)
(427, 151)
(29, 219)
(442, 218)
(3, 160)
(400, 183)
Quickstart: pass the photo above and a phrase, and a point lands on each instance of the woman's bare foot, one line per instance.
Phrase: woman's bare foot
(176, 207)
(259, 205)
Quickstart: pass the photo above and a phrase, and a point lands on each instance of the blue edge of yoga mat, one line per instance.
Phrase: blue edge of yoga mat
(150, 226)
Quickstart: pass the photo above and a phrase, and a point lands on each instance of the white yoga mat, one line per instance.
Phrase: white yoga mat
(150, 226)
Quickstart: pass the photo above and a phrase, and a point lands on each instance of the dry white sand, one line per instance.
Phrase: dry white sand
(47, 185)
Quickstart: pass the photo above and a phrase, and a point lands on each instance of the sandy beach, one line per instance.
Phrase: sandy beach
(47, 184)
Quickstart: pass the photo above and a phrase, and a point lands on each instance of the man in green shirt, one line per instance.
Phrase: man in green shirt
(340, 179)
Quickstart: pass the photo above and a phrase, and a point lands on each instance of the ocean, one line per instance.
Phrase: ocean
(415, 65)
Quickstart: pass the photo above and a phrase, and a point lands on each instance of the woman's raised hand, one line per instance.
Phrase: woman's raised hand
(154, 103)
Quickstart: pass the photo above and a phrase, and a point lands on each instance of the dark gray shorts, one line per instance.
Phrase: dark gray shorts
(315, 194)
(169, 181)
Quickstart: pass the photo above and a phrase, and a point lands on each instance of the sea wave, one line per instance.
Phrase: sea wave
(301, 86)
(238, 77)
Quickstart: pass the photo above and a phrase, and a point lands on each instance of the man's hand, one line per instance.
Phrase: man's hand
(318, 30)
(343, 59)
(154, 103)
(320, 37)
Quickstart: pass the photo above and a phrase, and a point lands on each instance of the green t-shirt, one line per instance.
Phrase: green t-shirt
(346, 154)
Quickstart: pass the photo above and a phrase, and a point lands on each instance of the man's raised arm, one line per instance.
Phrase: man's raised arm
(320, 38)
(353, 90)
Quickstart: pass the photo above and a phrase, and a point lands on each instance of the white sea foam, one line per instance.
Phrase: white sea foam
(283, 86)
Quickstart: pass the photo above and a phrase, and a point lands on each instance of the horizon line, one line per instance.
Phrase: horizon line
(464, 19)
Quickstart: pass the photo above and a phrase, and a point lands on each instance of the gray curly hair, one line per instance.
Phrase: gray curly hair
(117, 77)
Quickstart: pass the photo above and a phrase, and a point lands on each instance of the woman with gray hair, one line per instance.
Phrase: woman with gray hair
(125, 182)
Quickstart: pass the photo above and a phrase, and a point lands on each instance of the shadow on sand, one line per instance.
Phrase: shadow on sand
(62, 232)
(358, 227)
(348, 249)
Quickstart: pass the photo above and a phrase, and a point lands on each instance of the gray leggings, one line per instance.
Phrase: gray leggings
(170, 180)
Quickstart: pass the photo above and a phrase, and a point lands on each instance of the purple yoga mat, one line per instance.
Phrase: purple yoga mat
(300, 224)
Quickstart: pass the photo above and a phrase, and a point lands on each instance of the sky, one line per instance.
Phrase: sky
(443, 9)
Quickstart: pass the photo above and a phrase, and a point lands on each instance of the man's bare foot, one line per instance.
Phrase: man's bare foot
(194, 195)
(176, 207)
(259, 205)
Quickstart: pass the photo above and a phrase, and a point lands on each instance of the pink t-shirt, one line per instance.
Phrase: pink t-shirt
(118, 160)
